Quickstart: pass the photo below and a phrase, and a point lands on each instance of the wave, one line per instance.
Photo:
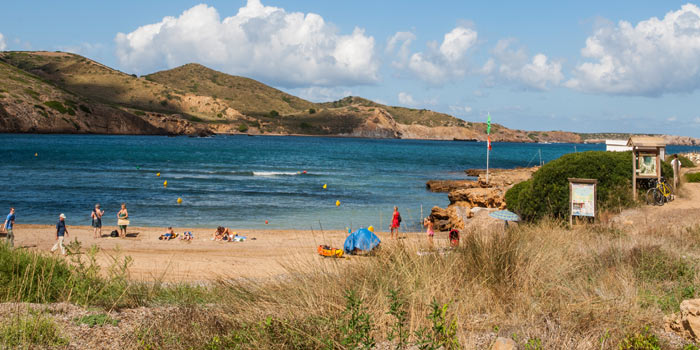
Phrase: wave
(275, 173)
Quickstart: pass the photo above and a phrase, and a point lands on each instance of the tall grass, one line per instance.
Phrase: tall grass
(543, 285)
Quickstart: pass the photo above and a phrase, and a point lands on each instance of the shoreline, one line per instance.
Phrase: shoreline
(597, 142)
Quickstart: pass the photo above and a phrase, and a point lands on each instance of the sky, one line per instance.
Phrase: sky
(593, 66)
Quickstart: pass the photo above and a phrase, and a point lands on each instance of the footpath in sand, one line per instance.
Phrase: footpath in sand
(673, 216)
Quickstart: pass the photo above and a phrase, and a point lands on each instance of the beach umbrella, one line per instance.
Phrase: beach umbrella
(505, 215)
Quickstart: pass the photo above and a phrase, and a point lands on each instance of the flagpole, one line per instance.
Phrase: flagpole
(487, 162)
(488, 145)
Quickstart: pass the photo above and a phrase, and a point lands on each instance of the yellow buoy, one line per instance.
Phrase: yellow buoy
(158, 174)
(337, 203)
(165, 183)
(325, 186)
(371, 229)
(36, 154)
(179, 200)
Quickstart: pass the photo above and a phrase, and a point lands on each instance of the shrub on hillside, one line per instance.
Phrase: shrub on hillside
(243, 127)
(694, 177)
(547, 192)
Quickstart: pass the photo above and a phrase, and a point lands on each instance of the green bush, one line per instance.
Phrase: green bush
(57, 106)
(96, 320)
(547, 192)
(274, 113)
(31, 330)
(693, 177)
(312, 111)
(243, 127)
(643, 340)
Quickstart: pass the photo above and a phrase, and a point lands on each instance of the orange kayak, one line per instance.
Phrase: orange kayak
(327, 251)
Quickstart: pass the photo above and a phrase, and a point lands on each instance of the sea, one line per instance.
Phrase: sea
(244, 182)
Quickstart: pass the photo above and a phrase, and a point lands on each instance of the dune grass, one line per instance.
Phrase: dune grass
(543, 285)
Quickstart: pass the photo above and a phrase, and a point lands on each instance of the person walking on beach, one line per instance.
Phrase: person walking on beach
(395, 223)
(676, 165)
(9, 227)
(61, 231)
(97, 221)
(123, 220)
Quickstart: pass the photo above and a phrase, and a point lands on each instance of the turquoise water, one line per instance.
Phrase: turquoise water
(241, 181)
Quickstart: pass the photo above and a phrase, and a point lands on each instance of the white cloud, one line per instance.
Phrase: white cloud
(285, 48)
(439, 63)
(3, 45)
(406, 99)
(514, 66)
(321, 94)
(654, 57)
(461, 110)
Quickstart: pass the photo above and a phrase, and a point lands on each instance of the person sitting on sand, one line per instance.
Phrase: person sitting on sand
(187, 236)
(168, 235)
(220, 233)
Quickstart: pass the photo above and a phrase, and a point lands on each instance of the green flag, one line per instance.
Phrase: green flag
(488, 125)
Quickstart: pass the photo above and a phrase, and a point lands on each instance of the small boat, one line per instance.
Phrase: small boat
(327, 251)
(465, 140)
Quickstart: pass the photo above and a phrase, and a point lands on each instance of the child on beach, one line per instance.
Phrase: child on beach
(428, 223)
(9, 227)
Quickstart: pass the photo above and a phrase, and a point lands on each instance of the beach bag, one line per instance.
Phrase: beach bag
(123, 222)
(114, 234)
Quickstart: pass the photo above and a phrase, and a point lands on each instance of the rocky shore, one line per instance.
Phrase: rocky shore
(469, 197)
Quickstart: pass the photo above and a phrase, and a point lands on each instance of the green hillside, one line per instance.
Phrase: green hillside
(246, 95)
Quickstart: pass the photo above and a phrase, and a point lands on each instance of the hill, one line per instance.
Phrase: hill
(194, 99)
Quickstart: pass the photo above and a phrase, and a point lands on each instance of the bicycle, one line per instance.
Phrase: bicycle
(660, 193)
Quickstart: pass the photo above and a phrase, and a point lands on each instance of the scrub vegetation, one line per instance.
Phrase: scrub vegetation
(543, 285)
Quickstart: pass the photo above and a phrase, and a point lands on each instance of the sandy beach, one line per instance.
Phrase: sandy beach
(263, 255)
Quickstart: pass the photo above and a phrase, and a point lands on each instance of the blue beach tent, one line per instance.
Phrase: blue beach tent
(362, 239)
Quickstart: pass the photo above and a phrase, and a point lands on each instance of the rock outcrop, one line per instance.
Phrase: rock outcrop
(468, 197)
(504, 344)
(687, 324)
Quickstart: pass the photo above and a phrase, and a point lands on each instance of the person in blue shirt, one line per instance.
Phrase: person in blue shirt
(61, 231)
(9, 226)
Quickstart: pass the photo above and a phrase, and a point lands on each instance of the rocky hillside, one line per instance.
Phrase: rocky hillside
(56, 92)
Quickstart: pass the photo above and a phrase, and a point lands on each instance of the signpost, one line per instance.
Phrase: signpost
(582, 198)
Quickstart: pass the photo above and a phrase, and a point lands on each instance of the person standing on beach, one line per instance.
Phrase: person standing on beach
(97, 220)
(123, 220)
(61, 231)
(428, 223)
(9, 227)
(395, 223)
(676, 165)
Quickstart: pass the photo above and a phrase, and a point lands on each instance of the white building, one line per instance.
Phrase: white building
(617, 146)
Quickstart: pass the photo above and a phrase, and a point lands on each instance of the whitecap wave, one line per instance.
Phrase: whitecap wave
(273, 173)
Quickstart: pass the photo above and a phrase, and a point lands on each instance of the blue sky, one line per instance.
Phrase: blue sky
(548, 65)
